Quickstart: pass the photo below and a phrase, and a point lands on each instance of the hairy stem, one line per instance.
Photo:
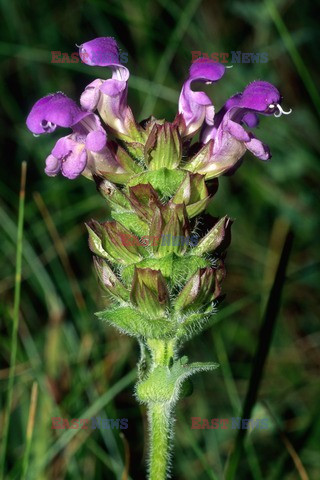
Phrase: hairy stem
(160, 411)
(160, 443)
(161, 351)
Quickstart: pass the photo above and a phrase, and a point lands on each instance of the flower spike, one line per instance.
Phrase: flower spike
(161, 278)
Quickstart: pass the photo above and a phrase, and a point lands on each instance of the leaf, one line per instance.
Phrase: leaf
(165, 384)
(130, 321)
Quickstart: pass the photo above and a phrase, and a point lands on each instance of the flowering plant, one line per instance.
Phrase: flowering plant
(157, 181)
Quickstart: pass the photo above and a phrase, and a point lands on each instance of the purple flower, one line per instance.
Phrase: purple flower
(229, 139)
(108, 96)
(73, 153)
(195, 107)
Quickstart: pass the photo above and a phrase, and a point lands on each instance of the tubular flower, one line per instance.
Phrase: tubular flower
(226, 141)
(81, 149)
(109, 97)
(197, 107)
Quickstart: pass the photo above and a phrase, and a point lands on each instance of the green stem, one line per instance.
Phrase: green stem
(160, 440)
(161, 351)
(160, 413)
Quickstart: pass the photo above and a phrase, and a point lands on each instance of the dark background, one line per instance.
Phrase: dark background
(83, 367)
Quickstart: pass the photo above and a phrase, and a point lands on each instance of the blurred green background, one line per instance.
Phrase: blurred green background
(85, 369)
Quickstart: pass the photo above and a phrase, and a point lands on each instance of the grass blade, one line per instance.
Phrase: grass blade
(30, 427)
(265, 338)
(16, 308)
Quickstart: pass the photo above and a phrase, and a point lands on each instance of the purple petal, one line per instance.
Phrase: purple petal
(225, 156)
(112, 87)
(197, 106)
(101, 51)
(96, 141)
(250, 119)
(259, 96)
(72, 154)
(227, 148)
(74, 164)
(90, 97)
(54, 110)
(115, 103)
(63, 147)
(89, 124)
(237, 131)
(259, 149)
(53, 166)
(206, 71)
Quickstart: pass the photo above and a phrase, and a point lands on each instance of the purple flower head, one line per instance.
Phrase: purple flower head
(108, 96)
(257, 98)
(195, 107)
(229, 138)
(54, 110)
(71, 154)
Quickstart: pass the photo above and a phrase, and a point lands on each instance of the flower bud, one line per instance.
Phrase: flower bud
(215, 238)
(200, 290)
(163, 147)
(149, 291)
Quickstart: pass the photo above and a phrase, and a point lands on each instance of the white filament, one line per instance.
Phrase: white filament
(280, 110)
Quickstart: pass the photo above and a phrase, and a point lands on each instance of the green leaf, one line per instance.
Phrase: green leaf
(192, 324)
(165, 384)
(132, 322)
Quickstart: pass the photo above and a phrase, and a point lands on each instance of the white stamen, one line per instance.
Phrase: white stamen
(208, 83)
(281, 111)
(35, 135)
